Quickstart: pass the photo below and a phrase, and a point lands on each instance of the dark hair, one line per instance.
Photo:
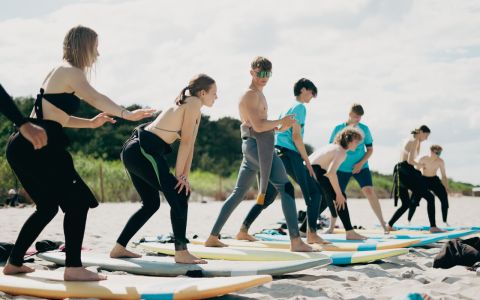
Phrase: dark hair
(423, 128)
(263, 63)
(357, 109)
(199, 83)
(348, 135)
(304, 83)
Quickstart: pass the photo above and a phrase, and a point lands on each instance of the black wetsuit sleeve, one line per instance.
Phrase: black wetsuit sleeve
(8, 108)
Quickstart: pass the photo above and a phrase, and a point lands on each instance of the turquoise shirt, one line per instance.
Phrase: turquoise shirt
(285, 139)
(355, 156)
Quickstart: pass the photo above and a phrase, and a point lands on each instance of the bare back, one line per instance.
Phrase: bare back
(56, 82)
(169, 123)
(412, 146)
(324, 157)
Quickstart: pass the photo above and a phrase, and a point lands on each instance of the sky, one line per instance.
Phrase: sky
(407, 62)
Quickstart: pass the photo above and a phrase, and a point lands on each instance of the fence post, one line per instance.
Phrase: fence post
(102, 195)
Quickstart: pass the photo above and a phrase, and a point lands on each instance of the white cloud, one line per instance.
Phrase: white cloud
(407, 62)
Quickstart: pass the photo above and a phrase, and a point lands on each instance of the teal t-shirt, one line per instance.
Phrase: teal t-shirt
(354, 157)
(285, 139)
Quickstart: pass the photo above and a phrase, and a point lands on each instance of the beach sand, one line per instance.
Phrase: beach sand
(395, 277)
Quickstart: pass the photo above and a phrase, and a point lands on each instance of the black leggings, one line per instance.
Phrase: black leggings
(435, 185)
(150, 174)
(49, 177)
(412, 179)
(329, 196)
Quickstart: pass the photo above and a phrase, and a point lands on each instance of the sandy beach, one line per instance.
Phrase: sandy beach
(389, 279)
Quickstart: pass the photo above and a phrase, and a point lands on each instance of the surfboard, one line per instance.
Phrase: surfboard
(340, 237)
(368, 246)
(165, 266)
(408, 234)
(239, 253)
(427, 228)
(50, 284)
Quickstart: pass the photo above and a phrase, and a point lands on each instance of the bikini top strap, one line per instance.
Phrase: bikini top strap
(38, 104)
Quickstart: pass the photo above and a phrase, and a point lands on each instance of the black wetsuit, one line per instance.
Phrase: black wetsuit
(329, 196)
(144, 158)
(8, 108)
(49, 177)
(411, 179)
(435, 185)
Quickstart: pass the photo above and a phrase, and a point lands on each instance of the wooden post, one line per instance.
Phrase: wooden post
(102, 194)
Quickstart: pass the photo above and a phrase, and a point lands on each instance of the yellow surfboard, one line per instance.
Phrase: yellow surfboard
(367, 246)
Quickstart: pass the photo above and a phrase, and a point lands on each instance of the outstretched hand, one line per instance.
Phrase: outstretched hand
(101, 119)
(138, 114)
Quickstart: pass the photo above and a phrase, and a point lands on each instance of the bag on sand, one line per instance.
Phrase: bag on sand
(458, 252)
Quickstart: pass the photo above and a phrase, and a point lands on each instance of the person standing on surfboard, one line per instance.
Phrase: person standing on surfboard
(325, 163)
(291, 150)
(356, 163)
(406, 178)
(430, 166)
(258, 155)
(48, 174)
(144, 158)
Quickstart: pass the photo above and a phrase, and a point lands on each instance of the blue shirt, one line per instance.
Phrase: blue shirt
(355, 156)
(285, 139)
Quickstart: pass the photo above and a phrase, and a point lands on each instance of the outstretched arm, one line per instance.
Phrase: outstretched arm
(444, 175)
(332, 176)
(78, 82)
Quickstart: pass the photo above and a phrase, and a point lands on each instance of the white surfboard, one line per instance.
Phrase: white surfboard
(166, 266)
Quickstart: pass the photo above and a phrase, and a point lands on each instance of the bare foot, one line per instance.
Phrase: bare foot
(10, 269)
(436, 230)
(297, 245)
(386, 228)
(390, 228)
(214, 241)
(82, 274)
(119, 251)
(329, 230)
(313, 238)
(185, 257)
(352, 235)
(244, 236)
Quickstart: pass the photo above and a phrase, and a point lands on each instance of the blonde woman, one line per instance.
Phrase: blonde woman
(48, 174)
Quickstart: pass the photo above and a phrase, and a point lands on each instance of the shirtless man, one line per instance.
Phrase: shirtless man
(255, 129)
(325, 163)
(430, 166)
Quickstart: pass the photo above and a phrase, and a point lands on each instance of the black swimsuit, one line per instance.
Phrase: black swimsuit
(143, 155)
(49, 177)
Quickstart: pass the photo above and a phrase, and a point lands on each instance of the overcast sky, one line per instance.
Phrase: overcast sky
(407, 62)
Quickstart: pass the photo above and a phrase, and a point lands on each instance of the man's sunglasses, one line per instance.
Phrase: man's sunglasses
(264, 74)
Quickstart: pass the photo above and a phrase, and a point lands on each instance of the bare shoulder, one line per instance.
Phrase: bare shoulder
(193, 102)
(250, 96)
(192, 105)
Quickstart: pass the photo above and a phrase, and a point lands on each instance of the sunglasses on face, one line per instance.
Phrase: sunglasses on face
(264, 74)
(438, 153)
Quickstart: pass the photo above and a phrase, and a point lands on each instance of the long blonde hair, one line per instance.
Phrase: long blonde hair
(79, 47)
